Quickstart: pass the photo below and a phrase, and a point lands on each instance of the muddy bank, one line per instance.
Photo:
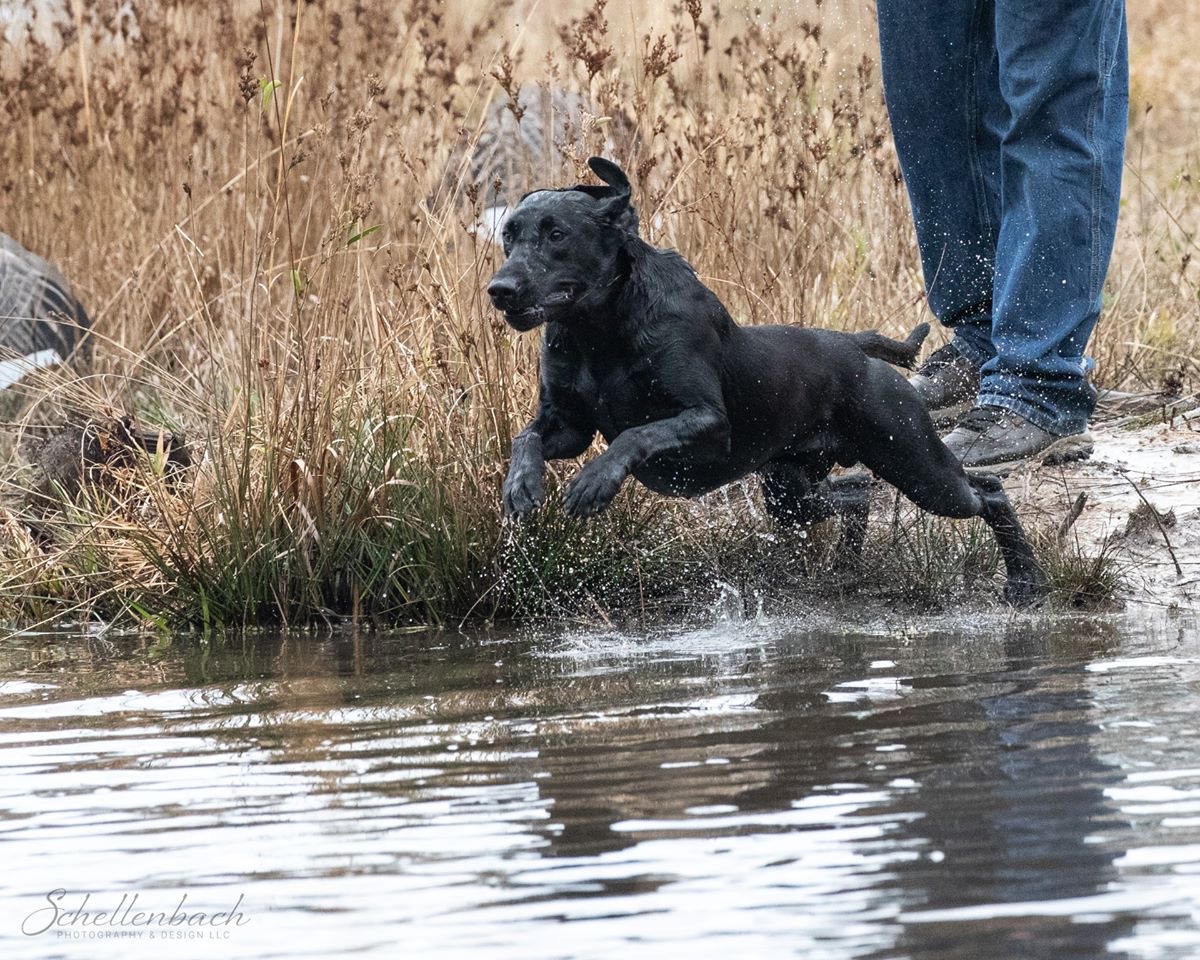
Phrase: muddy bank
(1142, 498)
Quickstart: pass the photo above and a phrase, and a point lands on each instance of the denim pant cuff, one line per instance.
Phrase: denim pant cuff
(1061, 426)
(969, 350)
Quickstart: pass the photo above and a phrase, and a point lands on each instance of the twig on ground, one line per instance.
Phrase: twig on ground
(1072, 515)
(1154, 514)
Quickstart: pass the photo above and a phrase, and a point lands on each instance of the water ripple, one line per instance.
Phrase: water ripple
(1001, 788)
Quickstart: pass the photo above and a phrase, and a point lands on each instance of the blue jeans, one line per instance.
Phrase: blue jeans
(1009, 118)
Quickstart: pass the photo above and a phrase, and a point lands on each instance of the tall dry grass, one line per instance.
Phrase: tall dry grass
(252, 198)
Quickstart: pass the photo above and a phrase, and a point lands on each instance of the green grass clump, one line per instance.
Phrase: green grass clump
(1081, 579)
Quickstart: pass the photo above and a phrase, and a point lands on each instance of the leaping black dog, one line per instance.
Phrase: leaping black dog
(637, 348)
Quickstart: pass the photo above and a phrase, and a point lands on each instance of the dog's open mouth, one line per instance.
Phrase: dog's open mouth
(525, 319)
(559, 298)
(533, 316)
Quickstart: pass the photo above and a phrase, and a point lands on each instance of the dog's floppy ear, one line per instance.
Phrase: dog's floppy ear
(611, 174)
(616, 208)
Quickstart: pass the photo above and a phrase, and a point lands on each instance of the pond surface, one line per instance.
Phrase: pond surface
(977, 788)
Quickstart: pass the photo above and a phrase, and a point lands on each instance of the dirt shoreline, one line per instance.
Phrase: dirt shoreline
(1146, 455)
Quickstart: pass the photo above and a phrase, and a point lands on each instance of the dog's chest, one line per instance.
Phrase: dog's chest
(621, 394)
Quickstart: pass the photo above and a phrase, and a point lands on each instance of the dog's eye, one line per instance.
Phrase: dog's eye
(557, 235)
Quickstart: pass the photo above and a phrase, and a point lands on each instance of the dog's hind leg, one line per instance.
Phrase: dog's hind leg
(894, 437)
(794, 494)
(1026, 580)
(797, 495)
(850, 495)
(945, 489)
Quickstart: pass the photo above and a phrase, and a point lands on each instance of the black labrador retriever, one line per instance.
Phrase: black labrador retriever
(637, 348)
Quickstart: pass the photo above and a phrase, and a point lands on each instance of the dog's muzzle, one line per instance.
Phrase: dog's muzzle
(507, 296)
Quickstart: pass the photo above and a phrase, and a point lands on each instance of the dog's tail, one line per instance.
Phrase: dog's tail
(903, 353)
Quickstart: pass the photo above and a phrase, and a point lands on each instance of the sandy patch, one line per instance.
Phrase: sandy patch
(1150, 458)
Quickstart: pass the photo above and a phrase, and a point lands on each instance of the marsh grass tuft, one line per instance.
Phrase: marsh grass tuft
(1082, 579)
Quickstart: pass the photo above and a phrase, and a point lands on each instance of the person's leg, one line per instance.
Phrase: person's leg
(939, 78)
(1063, 73)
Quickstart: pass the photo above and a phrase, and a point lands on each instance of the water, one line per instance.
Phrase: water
(932, 789)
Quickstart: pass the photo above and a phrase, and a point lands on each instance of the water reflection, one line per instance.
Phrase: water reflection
(1013, 796)
(990, 788)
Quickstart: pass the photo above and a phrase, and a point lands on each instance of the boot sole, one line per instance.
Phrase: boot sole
(1070, 449)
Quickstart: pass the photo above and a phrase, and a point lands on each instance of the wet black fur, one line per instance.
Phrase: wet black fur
(638, 349)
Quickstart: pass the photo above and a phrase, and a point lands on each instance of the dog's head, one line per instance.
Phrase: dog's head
(563, 249)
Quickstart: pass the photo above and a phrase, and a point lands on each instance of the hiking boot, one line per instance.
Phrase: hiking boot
(995, 440)
(948, 382)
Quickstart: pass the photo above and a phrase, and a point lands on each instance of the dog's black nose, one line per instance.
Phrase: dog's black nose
(503, 292)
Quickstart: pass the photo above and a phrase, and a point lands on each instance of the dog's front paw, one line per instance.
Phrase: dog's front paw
(594, 488)
(522, 493)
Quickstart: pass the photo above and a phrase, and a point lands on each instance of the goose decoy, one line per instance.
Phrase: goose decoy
(41, 320)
